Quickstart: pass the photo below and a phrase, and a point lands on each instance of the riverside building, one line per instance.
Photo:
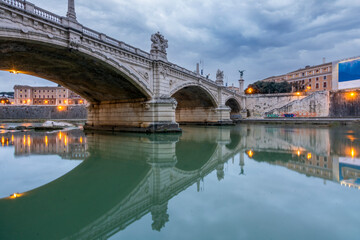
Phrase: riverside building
(337, 75)
(27, 95)
(310, 78)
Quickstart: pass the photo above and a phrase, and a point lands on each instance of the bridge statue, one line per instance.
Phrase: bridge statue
(128, 89)
(159, 46)
(220, 77)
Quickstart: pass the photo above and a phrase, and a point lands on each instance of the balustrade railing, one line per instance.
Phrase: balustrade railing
(15, 3)
(91, 33)
(47, 15)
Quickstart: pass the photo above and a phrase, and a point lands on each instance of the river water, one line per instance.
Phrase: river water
(241, 182)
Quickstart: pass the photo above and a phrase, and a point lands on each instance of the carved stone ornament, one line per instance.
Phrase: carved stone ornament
(158, 47)
(159, 43)
(219, 75)
(74, 42)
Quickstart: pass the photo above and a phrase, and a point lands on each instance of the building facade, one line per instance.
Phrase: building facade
(27, 95)
(310, 78)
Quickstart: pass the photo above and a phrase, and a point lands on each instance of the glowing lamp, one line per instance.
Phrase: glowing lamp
(298, 93)
(13, 72)
(352, 94)
(3, 102)
(298, 153)
(15, 195)
(250, 90)
(309, 156)
(353, 152)
(250, 153)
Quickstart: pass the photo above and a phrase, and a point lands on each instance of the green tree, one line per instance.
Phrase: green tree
(268, 87)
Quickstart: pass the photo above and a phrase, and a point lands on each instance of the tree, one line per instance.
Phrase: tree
(268, 87)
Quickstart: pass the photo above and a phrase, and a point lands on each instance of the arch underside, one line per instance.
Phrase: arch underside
(89, 77)
(234, 106)
(195, 105)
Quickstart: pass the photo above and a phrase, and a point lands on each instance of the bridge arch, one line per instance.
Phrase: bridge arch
(196, 104)
(190, 92)
(234, 105)
(90, 76)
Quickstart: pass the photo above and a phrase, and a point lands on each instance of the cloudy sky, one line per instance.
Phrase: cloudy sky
(264, 37)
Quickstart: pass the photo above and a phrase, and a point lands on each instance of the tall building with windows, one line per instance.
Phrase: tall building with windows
(310, 78)
(27, 95)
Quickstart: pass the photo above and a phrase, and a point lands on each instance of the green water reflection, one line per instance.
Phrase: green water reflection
(125, 186)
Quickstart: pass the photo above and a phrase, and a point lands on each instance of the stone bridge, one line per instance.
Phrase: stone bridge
(127, 88)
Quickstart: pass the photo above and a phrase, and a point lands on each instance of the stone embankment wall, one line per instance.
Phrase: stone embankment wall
(314, 105)
(42, 112)
(345, 103)
(259, 104)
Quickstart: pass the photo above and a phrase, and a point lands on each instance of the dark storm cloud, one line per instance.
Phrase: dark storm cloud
(265, 37)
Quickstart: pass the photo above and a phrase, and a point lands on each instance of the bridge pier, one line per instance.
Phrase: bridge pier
(157, 115)
(204, 116)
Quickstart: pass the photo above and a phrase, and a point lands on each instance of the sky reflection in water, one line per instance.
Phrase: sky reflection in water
(243, 182)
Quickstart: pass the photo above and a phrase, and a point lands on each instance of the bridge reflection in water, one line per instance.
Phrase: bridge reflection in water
(127, 176)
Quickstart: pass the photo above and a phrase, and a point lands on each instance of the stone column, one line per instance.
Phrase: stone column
(71, 10)
(241, 86)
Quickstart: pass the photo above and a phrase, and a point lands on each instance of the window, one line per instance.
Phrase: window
(35, 101)
(310, 80)
(317, 85)
(317, 79)
(25, 90)
(21, 96)
(303, 74)
(35, 96)
(25, 96)
(59, 101)
(325, 84)
(325, 77)
(64, 95)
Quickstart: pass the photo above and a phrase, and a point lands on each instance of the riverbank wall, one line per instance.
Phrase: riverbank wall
(43, 112)
(322, 104)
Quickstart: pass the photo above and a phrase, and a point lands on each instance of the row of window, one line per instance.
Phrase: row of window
(42, 96)
(21, 90)
(317, 71)
(317, 85)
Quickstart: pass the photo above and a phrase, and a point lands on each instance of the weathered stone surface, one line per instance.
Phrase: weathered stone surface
(345, 103)
(259, 104)
(42, 112)
(314, 105)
